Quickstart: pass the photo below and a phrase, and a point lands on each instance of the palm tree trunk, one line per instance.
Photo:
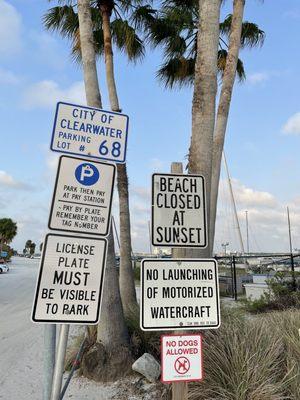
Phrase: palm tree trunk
(204, 100)
(112, 337)
(127, 284)
(224, 105)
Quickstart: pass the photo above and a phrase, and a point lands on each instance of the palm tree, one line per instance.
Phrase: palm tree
(32, 248)
(176, 28)
(204, 98)
(28, 245)
(110, 356)
(235, 31)
(8, 230)
(112, 22)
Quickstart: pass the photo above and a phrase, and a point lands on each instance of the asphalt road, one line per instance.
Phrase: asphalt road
(20, 340)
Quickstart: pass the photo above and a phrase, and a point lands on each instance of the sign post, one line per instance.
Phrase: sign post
(179, 389)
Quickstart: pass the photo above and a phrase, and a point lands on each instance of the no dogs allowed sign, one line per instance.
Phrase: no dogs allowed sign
(181, 358)
(70, 280)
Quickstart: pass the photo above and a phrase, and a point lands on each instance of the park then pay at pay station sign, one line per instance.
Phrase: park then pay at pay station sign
(179, 294)
(69, 287)
(90, 132)
(82, 196)
(181, 358)
(178, 210)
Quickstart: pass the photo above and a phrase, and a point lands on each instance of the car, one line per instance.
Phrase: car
(3, 268)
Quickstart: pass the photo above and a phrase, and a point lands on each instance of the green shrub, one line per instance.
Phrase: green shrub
(282, 295)
(137, 273)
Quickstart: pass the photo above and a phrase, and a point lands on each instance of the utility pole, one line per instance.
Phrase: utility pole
(291, 249)
(289, 226)
(150, 243)
(224, 245)
(247, 231)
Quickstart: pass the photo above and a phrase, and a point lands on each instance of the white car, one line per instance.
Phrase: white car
(3, 268)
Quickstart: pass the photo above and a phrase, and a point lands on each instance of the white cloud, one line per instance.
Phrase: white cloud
(292, 126)
(8, 181)
(248, 197)
(45, 94)
(10, 29)
(52, 162)
(267, 218)
(8, 77)
(141, 192)
(258, 78)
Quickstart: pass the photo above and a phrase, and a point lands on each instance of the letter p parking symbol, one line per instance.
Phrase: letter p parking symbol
(87, 174)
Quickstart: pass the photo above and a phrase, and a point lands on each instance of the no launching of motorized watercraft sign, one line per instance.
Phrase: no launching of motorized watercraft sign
(181, 358)
(179, 294)
(178, 210)
(82, 196)
(70, 280)
(90, 132)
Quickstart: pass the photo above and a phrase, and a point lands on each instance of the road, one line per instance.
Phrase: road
(20, 340)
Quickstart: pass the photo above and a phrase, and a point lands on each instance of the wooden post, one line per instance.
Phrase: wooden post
(179, 389)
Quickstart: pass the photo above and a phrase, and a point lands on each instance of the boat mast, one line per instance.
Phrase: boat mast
(247, 231)
(234, 206)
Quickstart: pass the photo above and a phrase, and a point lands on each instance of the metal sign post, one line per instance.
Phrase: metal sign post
(60, 359)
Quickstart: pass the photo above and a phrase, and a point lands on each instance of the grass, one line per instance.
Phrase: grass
(251, 359)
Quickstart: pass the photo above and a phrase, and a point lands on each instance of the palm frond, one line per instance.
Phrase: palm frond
(222, 58)
(251, 35)
(142, 17)
(177, 70)
(62, 19)
(126, 39)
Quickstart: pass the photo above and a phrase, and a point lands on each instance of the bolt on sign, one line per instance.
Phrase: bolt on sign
(179, 294)
(181, 358)
(69, 286)
(82, 196)
(90, 132)
(178, 210)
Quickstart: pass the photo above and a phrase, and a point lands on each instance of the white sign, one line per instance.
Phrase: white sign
(82, 196)
(69, 285)
(178, 211)
(181, 358)
(179, 294)
(90, 132)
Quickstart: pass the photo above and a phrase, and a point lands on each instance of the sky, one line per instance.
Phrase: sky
(262, 140)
